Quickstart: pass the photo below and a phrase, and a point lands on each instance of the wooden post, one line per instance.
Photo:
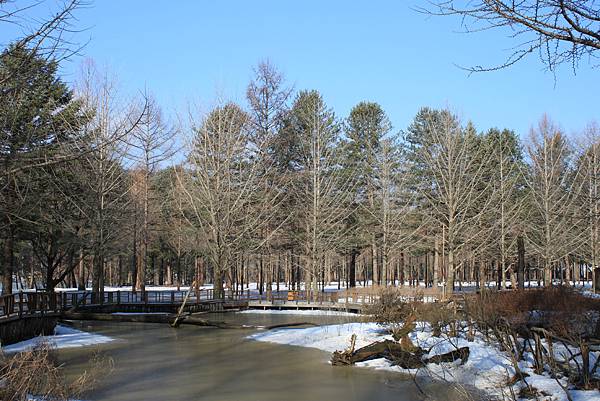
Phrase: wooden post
(11, 304)
(20, 303)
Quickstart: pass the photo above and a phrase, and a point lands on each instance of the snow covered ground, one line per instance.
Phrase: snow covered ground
(64, 337)
(148, 288)
(330, 287)
(487, 367)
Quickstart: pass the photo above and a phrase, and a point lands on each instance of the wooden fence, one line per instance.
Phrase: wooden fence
(370, 295)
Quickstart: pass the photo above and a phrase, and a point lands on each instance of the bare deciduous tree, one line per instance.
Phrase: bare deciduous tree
(507, 184)
(50, 36)
(549, 182)
(110, 120)
(225, 181)
(268, 97)
(324, 194)
(151, 143)
(394, 216)
(587, 198)
(456, 191)
(560, 31)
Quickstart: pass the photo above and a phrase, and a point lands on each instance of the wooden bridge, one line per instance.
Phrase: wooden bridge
(25, 315)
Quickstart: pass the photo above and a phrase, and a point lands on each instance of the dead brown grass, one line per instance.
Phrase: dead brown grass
(557, 308)
(36, 372)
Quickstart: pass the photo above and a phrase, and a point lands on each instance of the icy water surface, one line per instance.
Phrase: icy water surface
(154, 362)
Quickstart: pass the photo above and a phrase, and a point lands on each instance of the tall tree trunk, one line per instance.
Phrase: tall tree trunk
(197, 272)
(520, 262)
(71, 266)
(450, 280)
(141, 273)
(352, 268)
(134, 268)
(374, 262)
(169, 273)
(278, 274)
(120, 271)
(436, 263)
(218, 276)
(155, 272)
(98, 269)
(178, 269)
(261, 277)
(81, 284)
(9, 260)
(161, 272)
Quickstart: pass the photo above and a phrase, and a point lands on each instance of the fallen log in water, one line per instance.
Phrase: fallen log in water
(169, 319)
(396, 353)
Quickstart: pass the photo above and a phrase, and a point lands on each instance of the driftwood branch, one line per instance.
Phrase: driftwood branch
(396, 353)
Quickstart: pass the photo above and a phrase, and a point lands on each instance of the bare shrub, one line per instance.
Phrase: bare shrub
(558, 326)
(552, 307)
(36, 372)
(392, 311)
(440, 316)
(399, 314)
(545, 319)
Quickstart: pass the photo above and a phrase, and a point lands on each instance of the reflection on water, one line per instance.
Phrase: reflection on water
(154, 362)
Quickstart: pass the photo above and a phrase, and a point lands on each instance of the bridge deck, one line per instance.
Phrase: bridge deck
(304, 305)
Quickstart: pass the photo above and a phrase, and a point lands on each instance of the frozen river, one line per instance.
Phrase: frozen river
(154, 362)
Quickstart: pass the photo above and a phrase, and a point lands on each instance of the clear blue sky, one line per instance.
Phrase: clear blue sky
(350, 51)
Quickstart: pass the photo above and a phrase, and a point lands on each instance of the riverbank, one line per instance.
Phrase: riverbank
(64, 337)
(487, 368)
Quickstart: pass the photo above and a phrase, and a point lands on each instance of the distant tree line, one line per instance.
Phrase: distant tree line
(97, 189)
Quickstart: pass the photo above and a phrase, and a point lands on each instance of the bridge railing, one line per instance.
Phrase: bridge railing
(288, 296)
(29, 303)
(369, 295)
(84, 298)
(117, 297)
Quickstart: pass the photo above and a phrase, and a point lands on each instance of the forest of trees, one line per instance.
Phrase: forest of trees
(99, 190)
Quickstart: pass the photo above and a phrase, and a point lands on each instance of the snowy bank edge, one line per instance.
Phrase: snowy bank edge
(64, 337)
(486, 369)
